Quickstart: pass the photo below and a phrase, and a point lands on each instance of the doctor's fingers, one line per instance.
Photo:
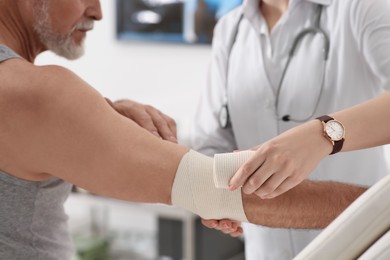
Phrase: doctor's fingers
(165, 125)
(272, 184)
(257, 180)
(137, 112)
(246, 170)
(159, 124)
(147, 117)
(285, 186)
(286, 174)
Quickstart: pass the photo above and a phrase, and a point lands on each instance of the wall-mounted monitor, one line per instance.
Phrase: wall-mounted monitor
(185, 21)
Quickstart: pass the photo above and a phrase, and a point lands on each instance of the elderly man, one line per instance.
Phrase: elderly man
(56, 130)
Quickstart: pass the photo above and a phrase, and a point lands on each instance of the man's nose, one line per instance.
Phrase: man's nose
(94, 10)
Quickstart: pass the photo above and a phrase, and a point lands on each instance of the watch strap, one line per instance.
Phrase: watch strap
(325, 118)
(337, 145)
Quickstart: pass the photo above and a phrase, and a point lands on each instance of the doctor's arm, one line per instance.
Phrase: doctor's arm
(300, 149)
(284, 161)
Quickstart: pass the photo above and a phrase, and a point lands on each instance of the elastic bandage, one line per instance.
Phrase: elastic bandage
(226, 165)
(194, 187)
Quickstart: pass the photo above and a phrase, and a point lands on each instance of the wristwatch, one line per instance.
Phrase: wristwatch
(334, 131)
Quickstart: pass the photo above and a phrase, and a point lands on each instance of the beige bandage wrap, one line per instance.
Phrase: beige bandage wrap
(226, 165)
(194, 190)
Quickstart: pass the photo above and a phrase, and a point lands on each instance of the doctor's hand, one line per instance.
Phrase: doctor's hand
(226, 226)
(147, 117)
(283, 162)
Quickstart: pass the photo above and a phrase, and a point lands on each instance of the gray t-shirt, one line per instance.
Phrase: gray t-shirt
(33, 224)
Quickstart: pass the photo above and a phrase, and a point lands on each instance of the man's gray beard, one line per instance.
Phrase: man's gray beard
(61, 45)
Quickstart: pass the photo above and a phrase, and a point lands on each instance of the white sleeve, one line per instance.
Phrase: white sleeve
(370, 21)
(206, 135)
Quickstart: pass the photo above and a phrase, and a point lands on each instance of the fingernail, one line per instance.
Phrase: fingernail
(156, 133)
(173, 139)
(232, 188)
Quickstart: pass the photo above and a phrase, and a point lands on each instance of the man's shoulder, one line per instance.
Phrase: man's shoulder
(22, 79)
(35, 90)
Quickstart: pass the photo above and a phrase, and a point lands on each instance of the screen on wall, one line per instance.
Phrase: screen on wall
(186, 21)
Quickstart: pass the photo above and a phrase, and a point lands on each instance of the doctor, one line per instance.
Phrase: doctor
(264, 79)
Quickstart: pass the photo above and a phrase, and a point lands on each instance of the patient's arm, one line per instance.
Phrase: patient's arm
(57, 125)
(309, 205)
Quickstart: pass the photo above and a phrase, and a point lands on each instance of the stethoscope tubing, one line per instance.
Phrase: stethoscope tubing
(224, 121)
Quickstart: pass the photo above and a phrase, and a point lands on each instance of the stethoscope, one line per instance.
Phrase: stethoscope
(224, 116)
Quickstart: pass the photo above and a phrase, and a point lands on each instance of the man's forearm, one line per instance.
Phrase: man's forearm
(199, 187)
(308, 205)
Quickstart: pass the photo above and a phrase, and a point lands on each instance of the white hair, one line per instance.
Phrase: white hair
(62, 45)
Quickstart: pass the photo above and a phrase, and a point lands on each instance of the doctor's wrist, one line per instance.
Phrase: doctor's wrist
(318, 139)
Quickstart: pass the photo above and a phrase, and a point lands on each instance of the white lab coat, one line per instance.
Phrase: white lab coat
(358, 69)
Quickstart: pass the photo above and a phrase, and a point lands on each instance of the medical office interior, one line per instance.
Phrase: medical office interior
(168, 75)
(168, 72)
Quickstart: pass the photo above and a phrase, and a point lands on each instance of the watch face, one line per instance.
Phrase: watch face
(335, 130)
